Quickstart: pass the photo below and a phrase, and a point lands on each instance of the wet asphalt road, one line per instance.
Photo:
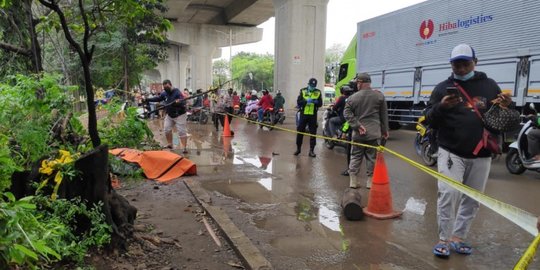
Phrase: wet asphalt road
(290, 206)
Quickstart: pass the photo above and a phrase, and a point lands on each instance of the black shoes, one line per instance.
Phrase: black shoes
(311, 153)
(345, 172)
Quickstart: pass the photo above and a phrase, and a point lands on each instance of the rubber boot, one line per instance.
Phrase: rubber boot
(368, 182)
(353, 181)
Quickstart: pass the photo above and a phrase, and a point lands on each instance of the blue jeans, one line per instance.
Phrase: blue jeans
(260, 112)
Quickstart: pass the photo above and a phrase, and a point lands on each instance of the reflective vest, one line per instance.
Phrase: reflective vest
(309, 108)
(345, 127)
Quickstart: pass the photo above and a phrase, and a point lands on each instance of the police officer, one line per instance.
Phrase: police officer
(309, 100)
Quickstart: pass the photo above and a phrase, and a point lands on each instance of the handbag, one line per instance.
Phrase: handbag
(489, 140)
(502, 119)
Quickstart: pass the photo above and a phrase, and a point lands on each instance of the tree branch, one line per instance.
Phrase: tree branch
(86, 30)
(15, 49)
(54, 6)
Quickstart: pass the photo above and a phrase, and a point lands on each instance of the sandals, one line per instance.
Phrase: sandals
(461, 248)
(441, 249)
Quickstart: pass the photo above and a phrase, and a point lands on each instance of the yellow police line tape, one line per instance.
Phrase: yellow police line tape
(522, 218)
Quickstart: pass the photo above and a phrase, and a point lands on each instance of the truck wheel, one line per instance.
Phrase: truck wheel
(394, 125)
(513, 163)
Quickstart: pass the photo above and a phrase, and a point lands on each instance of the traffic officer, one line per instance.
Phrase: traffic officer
(309, 100)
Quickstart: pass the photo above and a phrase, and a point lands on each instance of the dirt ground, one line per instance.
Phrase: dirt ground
(169, 232)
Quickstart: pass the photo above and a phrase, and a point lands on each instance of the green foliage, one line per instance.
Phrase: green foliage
(35, 231)
(8, 165)
(26, 119)
(128, 170)
(261, 68)
(127, 39)
(122, 128)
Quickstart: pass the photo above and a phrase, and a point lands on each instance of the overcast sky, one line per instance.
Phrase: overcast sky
(340, 27)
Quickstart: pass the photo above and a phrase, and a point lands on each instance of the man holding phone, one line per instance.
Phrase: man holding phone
(460, 130)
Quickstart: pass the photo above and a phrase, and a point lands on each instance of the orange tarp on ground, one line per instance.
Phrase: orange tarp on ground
(161, 166)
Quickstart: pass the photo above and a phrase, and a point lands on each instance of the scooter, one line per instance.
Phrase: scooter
(198, 115)
(518, 160)
(425, 142)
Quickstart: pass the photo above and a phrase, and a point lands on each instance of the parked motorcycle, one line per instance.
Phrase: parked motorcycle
(330, 144)
(198, 115)
(518, 159)
(425, 142)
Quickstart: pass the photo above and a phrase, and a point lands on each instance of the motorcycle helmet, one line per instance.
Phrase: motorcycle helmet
(353, 86)
(346, 90)
(253, 92)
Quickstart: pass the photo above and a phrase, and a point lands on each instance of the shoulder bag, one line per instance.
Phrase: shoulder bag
(489, 140)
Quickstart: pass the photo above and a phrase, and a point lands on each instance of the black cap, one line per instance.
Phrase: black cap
(312, 82)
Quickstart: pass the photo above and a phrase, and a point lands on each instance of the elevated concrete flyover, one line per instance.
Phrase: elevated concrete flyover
(202, 27)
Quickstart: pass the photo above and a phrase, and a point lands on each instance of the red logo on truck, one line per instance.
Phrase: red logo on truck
(426, 29)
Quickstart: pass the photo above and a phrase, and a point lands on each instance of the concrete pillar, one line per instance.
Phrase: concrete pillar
(300, 47)
(201, 58)
(169, 69)
(184, 70)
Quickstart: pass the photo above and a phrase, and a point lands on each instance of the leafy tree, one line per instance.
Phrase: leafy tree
(83, 23)
(220, 69)
(18, 39)
(253, 71)
(332, 58)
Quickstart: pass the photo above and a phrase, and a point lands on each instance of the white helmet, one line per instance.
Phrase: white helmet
(253, 92)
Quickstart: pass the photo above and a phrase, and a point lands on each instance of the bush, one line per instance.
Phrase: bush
(35, 231)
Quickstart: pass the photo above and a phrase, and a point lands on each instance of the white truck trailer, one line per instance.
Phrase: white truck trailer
(407, 52)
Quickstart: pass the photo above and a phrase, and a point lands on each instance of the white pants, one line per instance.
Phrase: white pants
(472, 172)
(179, 122)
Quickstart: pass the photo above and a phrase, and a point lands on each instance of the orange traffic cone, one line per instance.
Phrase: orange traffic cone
(380, 196)
(226, 146)
(226, 128)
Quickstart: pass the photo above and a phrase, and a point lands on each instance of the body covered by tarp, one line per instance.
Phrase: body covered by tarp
(161, 166)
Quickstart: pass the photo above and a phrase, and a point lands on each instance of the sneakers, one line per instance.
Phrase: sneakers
(185, 151)
(170, 147)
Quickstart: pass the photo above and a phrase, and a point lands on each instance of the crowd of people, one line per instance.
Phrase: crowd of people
(463, 154)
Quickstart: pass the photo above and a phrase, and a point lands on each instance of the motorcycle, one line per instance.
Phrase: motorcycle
(518, 159)
(252, 115)
(330, 144)
(198, 115)
(425, 142)
(279, 116)
(268, 118)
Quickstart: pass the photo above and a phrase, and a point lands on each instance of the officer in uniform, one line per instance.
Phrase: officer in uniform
(309, 100)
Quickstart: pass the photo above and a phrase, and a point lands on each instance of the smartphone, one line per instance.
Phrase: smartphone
(452, 91)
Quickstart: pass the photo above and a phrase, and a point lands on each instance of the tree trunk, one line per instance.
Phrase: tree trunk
(92, 185)
(37, 65)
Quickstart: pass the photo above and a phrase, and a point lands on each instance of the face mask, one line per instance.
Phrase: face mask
(464, 77)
